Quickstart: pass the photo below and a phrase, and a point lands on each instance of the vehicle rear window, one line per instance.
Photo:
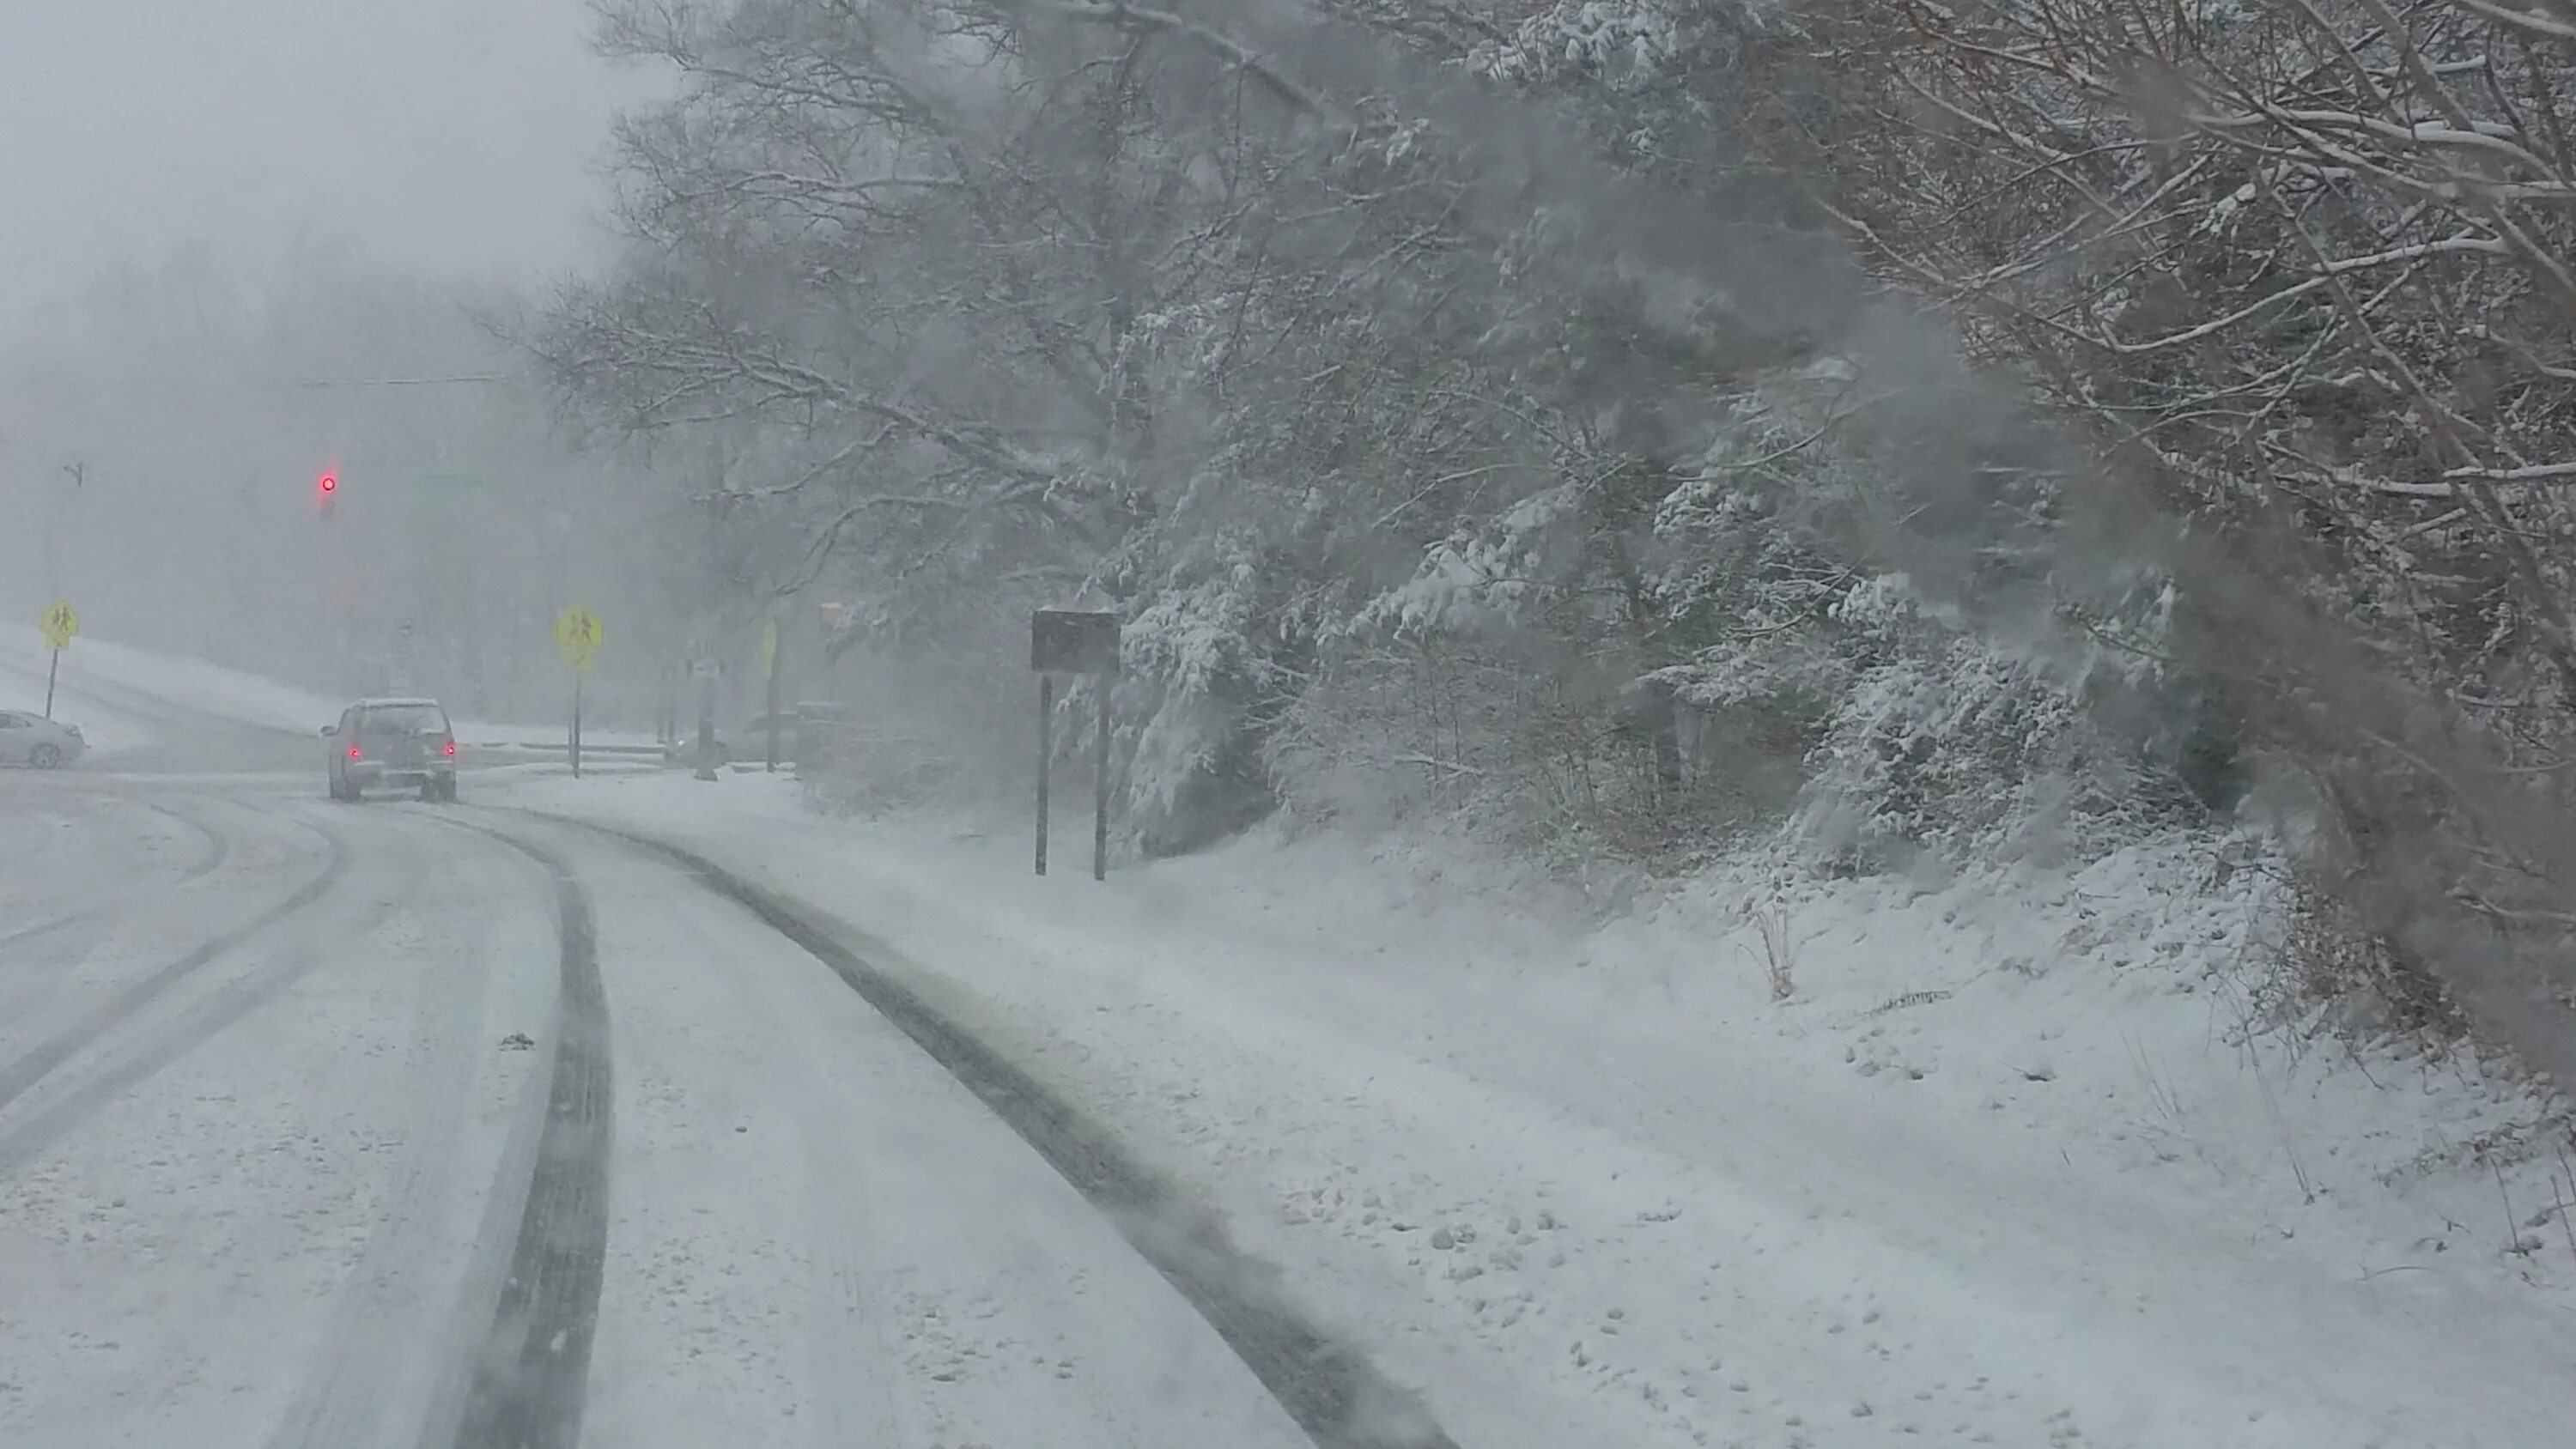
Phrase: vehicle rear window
(402, 719)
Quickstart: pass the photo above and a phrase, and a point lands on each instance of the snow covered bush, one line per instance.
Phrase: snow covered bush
(1196, 679)
(1520, 416)
(1945, 743)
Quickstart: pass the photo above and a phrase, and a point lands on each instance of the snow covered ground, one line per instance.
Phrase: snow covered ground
(210, 689)
(225, 694)
(109, 731)
(2008, 1166)
(2014, 1162)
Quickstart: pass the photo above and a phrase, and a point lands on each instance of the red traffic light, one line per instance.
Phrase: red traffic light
(330, 482)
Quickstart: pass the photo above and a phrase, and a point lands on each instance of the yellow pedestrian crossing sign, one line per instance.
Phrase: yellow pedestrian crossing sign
(60, 624)
(577, 633)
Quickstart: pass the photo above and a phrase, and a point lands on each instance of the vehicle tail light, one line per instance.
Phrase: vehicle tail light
(353, 752)
(451, 749)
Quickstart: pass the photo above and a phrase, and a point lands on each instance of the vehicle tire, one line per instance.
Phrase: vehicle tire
(45, 757)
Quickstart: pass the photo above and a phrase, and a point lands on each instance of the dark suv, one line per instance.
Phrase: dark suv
(399, 743)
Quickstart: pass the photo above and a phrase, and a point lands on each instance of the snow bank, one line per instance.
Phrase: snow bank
(206, 688)
(107, 731)
(231, 694)
(2013, 1162)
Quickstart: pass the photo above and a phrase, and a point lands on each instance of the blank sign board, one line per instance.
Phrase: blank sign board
(1073, 641)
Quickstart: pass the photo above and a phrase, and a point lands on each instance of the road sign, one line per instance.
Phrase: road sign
(769, 644)
(1073, 641)
(577, 634)
(577, 625)
(60, 623)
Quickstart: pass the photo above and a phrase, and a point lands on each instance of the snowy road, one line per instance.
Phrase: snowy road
(430, 1126)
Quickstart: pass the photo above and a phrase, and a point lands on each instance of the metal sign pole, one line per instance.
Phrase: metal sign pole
(577, 634)
(51, 666)
(706, 723)
(1046, 751)
(1100, 786)
(774, 645)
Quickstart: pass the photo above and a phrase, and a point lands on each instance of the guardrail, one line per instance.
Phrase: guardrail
(557, 747)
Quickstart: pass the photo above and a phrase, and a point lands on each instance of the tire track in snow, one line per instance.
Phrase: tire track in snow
(1332, 1390)
(218, 846)
(38, 1062)
(138, 1061)
(382, 1315)
(851, 1405)
(531, 1374)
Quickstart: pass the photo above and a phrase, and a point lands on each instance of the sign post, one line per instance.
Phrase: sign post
(1075, 641)
(769, 662)
(1046, 757)
(707, 670)
(577, 634)
(60, 623)
(1100, 780)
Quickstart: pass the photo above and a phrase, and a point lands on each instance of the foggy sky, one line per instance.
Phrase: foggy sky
(460, 136)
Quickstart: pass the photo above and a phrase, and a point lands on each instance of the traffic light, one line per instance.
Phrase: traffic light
(326, 493)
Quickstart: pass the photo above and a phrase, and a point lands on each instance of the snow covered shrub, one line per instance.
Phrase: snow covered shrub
(1501, 736)
(1391, 734)
(1203, 679)
(1778, 953)
(2371, 986)
(876, 771)
(1946, 743)
(926, 731)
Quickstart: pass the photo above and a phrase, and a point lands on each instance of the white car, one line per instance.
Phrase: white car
(32, 739)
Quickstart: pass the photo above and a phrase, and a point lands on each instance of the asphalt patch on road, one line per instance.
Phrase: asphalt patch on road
(1333, 1392)
(531, 1377)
